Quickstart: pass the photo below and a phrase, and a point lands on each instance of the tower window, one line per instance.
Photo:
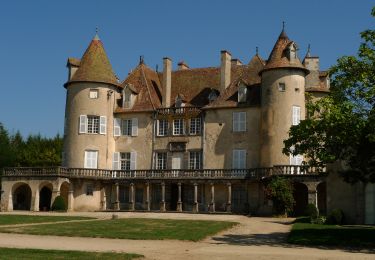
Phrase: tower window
(94, 93)
(281, 86)
(93, 124)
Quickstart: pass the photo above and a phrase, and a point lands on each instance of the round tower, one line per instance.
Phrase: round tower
(282, 99)
(92, 90)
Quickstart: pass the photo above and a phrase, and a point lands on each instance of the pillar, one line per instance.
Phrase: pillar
(70, 200)
(312, 193)
(132, 197)
(179, 202)
(10, 202)
(162, 203)
(212, 203)
(229, 202)
(148, 202)
(103, 199)
(116, 206)
(196, 205)
(36, 201)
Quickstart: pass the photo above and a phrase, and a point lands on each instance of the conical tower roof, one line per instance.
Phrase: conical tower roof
(95, 65)
(278, 58)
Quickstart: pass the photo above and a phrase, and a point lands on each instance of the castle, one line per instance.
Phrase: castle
(191, 139)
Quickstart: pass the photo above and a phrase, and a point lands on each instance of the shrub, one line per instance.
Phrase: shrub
(280, 191)
(336, 217)
(59, 204)
(319, 220)
(311, 211)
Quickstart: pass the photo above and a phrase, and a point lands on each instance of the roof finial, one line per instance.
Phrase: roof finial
(256, 51)
(96, 34)
(283, 25)
(141, 59)
(308, 54)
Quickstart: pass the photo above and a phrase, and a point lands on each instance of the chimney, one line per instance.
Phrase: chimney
(183, 66)
(236, 62)
(225, 69)
(166, 84)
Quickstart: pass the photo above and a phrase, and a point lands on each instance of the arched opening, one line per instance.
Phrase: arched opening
(300, 194)
(22, 197)
(64, 192)
(45, 196)
(322, 198)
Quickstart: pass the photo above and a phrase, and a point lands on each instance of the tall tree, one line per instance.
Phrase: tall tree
(341, 126)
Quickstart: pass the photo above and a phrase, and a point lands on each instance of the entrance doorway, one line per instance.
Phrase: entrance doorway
(45, 196)
(22, 198)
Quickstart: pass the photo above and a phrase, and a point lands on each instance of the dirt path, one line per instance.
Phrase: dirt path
(254, 238)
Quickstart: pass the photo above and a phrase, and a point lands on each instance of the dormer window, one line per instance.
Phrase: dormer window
(179, 102)
(212, 96)
(242, 93)
(292, 52)
(127, 98)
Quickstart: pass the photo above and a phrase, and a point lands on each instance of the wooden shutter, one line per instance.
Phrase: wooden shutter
(235, 121)
(116, 126)
(242, 121)
(103, 125)
(116, 161)
(82, 124)
(133, 160)
(296, 115)
(135, 127)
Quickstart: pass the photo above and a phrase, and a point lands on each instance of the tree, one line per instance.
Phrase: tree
(341, 126)
(280, 191)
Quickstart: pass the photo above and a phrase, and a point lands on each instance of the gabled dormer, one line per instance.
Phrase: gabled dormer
(128, 96)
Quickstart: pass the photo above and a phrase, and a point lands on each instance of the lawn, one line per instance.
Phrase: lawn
(26, 219)
(15, 253)
(131, 228)
(332, 235)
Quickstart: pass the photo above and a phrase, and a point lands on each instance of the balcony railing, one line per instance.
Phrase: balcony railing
(256, 173)
(178, 112)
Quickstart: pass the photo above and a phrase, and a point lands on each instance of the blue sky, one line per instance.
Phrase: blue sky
(37, 37)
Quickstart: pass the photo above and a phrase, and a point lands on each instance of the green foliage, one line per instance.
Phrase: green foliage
(34, 151)
(336, 217)
(59, 204)
(311, 211)
(341, 126)
(280, 191)
(318, 220)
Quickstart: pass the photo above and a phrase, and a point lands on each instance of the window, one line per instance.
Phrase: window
(92, 124)
(239, 159)
(161, 161)
(94, 93)
(242, 94)
(125, 161)
(281, 86)
(127, 99)
(195, 159)
(162, 127)
(89, 189)
(195, 126)
(91, 159)
(212, 96)
(239, 121)
(296, 115)
(126, 127)
(178, 127)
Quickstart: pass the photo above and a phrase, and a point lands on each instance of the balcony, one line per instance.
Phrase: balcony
(178, 112)
(204, 174)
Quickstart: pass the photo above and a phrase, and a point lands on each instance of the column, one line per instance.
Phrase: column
(162, 203)
(229, 202)
(312, 193)
(132, 197)
(103, 199)
(117, 194)
(212, 203)
(36, 201)
(196, 205)
(148, 202)
(179, 202)
(70, 200)
(10, 202)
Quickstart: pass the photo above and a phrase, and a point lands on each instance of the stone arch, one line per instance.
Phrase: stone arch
(64, 192)
(45, 196)
(300, 194)
(21, 196)
(322, 197)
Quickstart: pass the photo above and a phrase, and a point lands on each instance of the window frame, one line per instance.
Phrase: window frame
(195, 160)
(89, 189)
(237, 156)
(239, 125)
(94, 90)
(282, 86)
(161, 160)
(296, 115)
(180, 127)
(162, 127)
(93, 124)
(88, 160)
(197, 129)
(126, 161)
(126, 131)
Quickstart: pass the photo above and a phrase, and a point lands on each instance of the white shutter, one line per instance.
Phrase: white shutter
(116, 126)
(103, 125)
(82, 124)
(116, 161)
(242, 159)
(235, 122)
(242, 121)
(133, 160)
(296, 115)
(234, 159)
(135, 127)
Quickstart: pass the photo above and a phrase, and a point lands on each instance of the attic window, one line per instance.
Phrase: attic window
(179, 102)
(242, 94)
(292, 52)
(127, 98)
(94, 93)
(212, 96)
(282, 87)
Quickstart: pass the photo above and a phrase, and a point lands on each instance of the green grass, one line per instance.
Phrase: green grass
(131, 228)
(332, 235)
(15, 253)
(26, 219)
